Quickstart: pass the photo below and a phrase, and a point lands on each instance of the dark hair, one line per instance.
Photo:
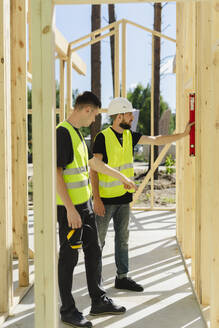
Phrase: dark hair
(87, 98)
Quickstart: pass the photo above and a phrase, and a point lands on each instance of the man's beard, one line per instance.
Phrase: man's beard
(125, 126)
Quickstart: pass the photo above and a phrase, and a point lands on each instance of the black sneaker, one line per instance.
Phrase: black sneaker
(76, 319)
(106, 306)
(129, 284)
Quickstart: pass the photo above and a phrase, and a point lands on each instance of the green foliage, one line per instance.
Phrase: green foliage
(85, 131)
(169, 163)
(168, 200)
(140, 98)
(172, 126)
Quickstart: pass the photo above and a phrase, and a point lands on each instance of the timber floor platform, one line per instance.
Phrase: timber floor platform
(168, 300)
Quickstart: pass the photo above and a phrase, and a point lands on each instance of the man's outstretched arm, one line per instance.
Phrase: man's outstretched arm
(162, 140)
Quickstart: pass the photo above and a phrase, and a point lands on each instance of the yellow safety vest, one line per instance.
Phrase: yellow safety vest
(120, 157)
(76, 174)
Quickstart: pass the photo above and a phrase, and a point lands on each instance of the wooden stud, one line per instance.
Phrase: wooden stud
(29, 37)
(69, 83)
(116, 63)
(6, 286)
(19, 136)
(152, 122)
(205, 152)
(124, 59)
(62, 91)
(44, 162)
(187, 193)
(179, 88)
(214, 182)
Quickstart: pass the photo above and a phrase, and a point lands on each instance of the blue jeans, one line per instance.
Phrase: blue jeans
(120, 215)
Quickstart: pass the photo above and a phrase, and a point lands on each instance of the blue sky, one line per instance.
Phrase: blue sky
(74, 21)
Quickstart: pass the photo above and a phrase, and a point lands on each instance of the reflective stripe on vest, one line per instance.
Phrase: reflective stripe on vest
(120, 157)
(76, 174)
(76, 170)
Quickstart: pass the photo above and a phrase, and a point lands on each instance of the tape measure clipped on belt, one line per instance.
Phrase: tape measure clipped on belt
(74, 238)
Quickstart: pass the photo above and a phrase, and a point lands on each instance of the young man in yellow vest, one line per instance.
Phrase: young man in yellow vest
(114, 146)
(74, 211)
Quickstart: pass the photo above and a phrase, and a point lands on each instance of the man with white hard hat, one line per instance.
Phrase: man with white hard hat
(114, 146)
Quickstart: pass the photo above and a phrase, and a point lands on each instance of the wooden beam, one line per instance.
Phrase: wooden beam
(99, 2)
(61, 46)
(44, 186)
(179, 106)
(205, 125)
(62, 90)
(187, 193)
(69, 84)
(116, 63)
(124, 59)
(78, 64)
(153, 32)
(152, 121)
(95, 40)
(19, 294)
(93, 34)
(214, 183)
(19, 136)
(6, 286)
(166, 209)
(149, 175)
(29, 37)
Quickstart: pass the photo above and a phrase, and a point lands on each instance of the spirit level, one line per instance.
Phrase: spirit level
(192, 119)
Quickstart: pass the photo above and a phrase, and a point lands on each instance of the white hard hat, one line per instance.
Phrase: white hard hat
(120, 105)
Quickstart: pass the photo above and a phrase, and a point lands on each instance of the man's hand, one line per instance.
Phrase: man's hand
(128, 183)
(74, 218)
(99, 208)
(188, 128)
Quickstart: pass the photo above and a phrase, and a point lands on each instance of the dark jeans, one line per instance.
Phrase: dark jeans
(68, 257)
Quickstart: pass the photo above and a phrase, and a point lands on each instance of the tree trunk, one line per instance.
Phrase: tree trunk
(157, 27)
(112, 18)
(96, 68)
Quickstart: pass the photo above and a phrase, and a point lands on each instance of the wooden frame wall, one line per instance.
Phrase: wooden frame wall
(98, 35)
(203, 217)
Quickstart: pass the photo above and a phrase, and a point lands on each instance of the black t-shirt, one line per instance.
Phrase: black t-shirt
(65, 152)
(99, 147)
